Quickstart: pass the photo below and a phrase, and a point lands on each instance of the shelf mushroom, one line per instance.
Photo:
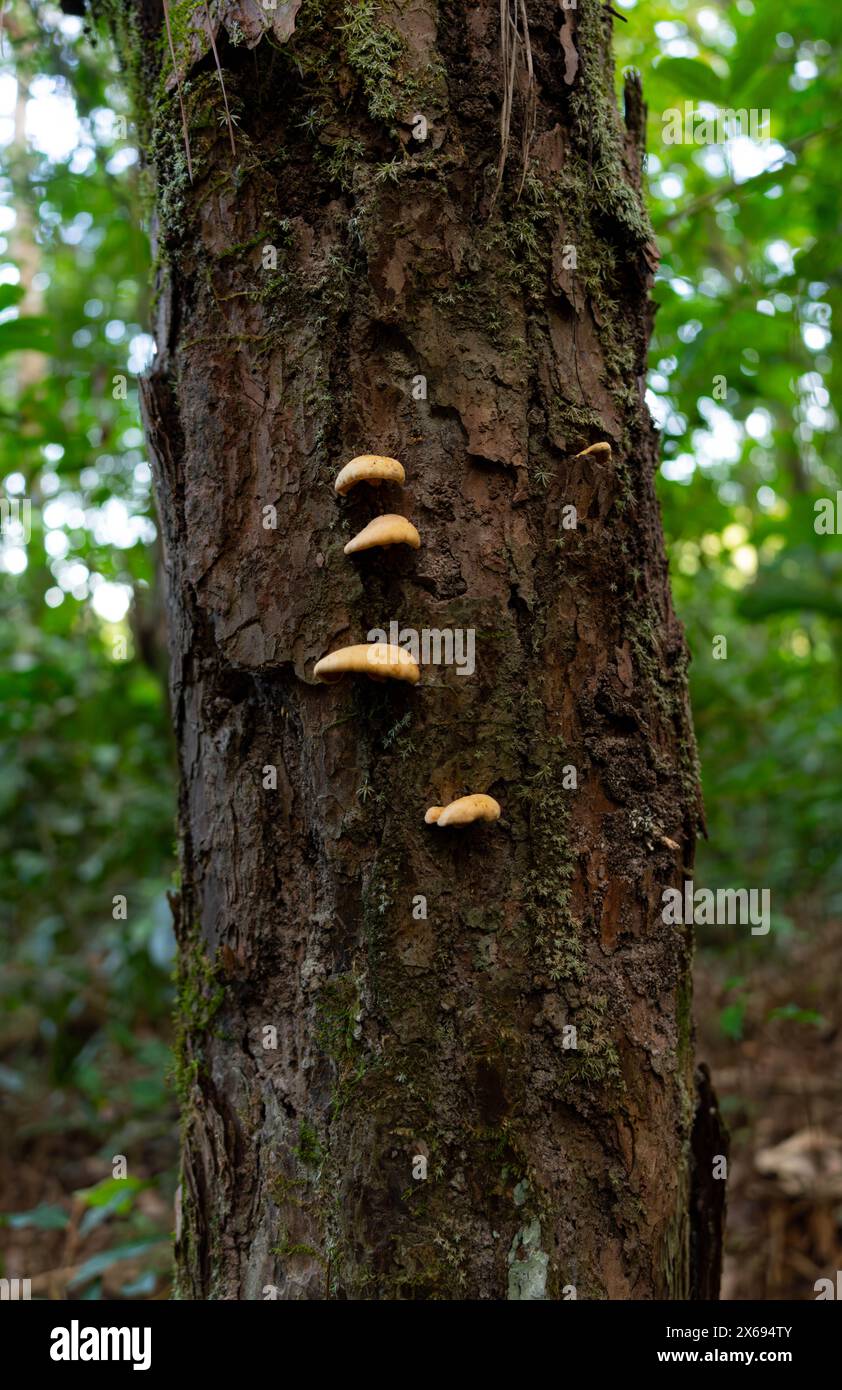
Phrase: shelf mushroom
(384, 530)
(378, 660)
(369, 468)
(602, 450)
(465, 810)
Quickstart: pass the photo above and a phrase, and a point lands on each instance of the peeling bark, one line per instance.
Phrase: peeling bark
(401, 1038)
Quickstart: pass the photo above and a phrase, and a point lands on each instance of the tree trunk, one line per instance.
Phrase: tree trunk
(416, 1062)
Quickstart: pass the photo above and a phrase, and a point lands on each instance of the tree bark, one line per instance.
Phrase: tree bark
(483, 320)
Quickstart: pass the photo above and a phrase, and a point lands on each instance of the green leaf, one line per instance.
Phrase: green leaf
(140, 1287)
(11, 294)
(43, 1218)
(97, 1264)
(731, 1020)
(113, 1197)
(792, 1013)
(104, 1193)
(33, 334)
(691, 78)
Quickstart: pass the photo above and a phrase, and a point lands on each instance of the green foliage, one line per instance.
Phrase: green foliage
(793, 1013)
(45, 1218)
(743, 377)
(309, 1151)
(372, 49)
(86, 769)
(199, 996)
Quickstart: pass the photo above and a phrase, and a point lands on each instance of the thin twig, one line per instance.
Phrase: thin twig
(221, 81)
(505, 110)
(508, 62)
(511, 42)
(178, 87)
(531, 100)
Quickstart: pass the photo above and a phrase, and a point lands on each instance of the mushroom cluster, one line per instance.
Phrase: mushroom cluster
(380, 660)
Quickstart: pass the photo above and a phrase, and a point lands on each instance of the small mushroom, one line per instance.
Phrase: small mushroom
(385, 530)
(375, 659)
(369, 468)
(600, 451)
(465, 810)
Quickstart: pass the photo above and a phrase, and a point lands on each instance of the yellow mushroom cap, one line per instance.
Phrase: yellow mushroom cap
(385, 530)
(467, 809)
(433, 815)
(369, 468)
(601, 450)
(375, 659)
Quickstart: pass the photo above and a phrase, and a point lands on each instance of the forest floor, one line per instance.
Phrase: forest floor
(70, 1226)
(779, 1086)
(772, 1041)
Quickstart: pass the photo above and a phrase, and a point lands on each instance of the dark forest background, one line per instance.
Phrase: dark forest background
(743, 383)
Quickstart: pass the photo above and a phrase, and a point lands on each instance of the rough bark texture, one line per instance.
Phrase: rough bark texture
(549, 1168)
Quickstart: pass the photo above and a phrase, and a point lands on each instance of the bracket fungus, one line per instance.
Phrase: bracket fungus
(602, 450)
(378, 660)
(389, 529)
(369, 468)
(464, 811)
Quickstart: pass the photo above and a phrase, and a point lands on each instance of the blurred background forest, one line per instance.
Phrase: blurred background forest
(744, 376)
